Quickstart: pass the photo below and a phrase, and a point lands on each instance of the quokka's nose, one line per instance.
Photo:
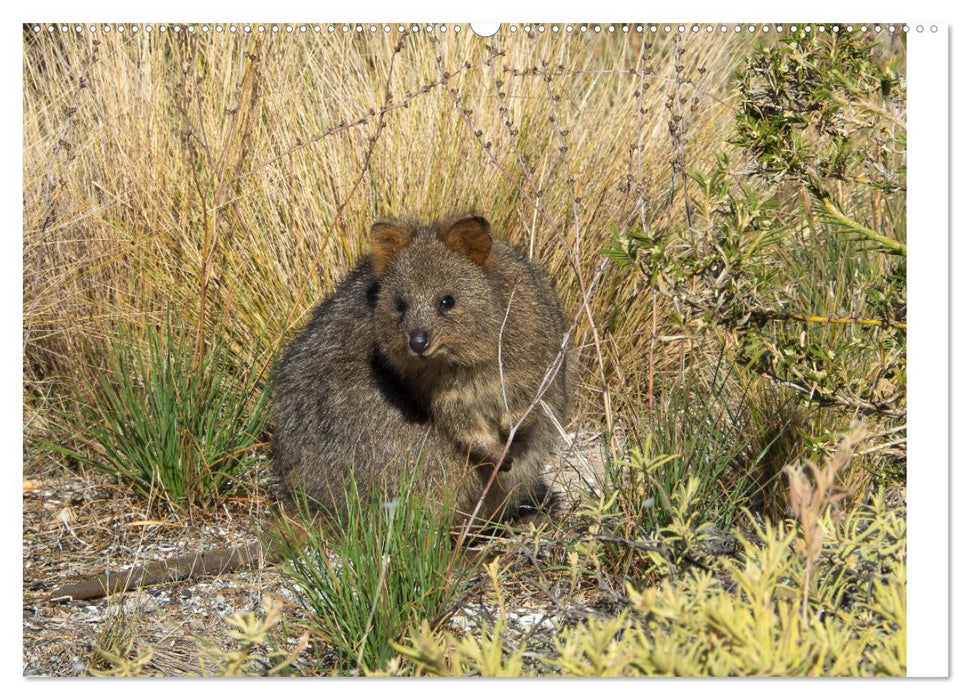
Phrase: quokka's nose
(418, 342)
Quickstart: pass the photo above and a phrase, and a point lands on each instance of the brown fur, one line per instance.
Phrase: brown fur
(354, 400)
(501, 304)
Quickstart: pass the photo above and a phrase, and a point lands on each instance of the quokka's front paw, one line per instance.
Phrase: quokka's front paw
(490, 461)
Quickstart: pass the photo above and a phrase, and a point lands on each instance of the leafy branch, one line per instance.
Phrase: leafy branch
(831, 215)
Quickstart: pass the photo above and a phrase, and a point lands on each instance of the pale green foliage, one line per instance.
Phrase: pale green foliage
(595, 649)
(656, 528)
(439, 654)
(858, 625)
(487, 653)
(250, 657)
(686, 532)
(251, 632)
(114, 646)
(121, 666)
(114, 653)
(740, 617)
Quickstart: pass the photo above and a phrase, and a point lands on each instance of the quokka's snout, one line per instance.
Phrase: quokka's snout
(419, 342)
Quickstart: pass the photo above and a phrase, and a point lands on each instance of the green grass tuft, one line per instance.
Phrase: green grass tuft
(174, 428)
(368, 579)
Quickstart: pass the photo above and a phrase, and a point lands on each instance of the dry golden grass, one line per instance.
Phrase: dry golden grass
(231, 179)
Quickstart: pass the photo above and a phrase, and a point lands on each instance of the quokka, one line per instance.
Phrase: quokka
(443, 343)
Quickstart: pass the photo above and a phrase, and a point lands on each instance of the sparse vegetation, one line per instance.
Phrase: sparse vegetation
(251, 657)
(254, 654)
(724, 220)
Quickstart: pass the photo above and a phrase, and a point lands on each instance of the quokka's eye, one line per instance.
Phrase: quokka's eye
(401, 305)
(446, 303)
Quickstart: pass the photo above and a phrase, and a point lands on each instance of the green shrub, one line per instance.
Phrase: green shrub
(792, 261)
(251, 657)
(754, 626)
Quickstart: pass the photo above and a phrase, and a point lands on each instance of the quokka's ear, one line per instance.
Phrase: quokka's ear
(469, 236)
(387, 240)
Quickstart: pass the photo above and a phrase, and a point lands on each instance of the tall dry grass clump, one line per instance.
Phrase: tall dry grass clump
(229, 178)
